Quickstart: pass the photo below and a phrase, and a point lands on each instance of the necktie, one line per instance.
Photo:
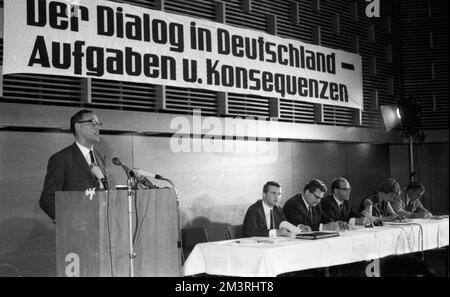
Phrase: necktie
(272, 225)
(310, 211)
(341, 207)
(97, 172)
(409, 206)
(91, 154)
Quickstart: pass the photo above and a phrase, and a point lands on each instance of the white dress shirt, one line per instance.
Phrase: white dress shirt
(310, 212)
(407, 200)
(339, 203)
(272, 232)
(307, 205)
(85, 151)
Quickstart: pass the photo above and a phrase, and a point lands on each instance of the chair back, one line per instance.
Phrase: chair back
(234, 231)
(190, 238)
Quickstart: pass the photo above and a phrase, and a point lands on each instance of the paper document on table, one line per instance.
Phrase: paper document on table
(317, 234)
(434, 217)
(293, 229)
(258, 241)
(399, 222)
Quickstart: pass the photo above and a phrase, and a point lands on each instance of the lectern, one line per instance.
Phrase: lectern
(92, 233)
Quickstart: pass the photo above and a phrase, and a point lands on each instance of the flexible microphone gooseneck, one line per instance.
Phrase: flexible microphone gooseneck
(99, 175)
(147, 174)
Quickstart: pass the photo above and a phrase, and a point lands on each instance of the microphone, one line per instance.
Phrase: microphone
(99, 175)
(147, 174)
(145, 182)
(116, 161)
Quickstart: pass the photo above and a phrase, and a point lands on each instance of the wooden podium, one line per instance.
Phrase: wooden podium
(92, 233)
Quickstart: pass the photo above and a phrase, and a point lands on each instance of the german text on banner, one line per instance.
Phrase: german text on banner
(115, 41)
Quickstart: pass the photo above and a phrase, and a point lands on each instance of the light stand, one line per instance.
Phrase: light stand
(412, 173)
(414, 136)
(410, 110)
(406, 112)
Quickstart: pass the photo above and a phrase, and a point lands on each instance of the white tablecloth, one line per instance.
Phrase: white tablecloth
(266, 257)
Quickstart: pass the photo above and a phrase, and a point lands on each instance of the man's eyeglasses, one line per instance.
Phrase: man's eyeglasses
(316, 196)
(94, 124)
(345, 189)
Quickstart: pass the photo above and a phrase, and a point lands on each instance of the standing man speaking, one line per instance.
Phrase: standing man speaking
(77, 167)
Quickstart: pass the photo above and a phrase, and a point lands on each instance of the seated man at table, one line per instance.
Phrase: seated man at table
(377, 206)
(303, 210)
(408, 202)
(264, 217)
(336, 205)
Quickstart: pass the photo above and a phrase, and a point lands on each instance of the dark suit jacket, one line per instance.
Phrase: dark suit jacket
(67, 170)
(296, 213)
(332, 211)
(255, 221)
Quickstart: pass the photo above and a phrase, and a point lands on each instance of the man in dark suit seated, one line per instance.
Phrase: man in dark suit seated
(263, 218)
(336, 205)
(303, 210)
(78, 167)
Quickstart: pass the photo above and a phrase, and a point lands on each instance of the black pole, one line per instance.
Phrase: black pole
(412, 173)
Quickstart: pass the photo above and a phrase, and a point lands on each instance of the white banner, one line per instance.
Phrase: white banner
(108, 40)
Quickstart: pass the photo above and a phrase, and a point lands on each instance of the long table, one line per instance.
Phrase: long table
(268, 257)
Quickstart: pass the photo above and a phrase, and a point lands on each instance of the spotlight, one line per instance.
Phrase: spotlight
(407, 112)
(391, 116)
(410, 113)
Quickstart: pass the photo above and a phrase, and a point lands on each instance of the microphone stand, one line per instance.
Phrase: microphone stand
(179, 241)
(130, 177)
(132, 255)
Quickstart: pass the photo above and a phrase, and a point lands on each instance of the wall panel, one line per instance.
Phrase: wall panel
(215, 188)
(431, 167)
